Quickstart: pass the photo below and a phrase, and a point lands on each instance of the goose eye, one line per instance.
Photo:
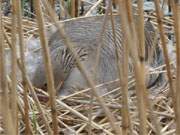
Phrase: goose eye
(44, 87)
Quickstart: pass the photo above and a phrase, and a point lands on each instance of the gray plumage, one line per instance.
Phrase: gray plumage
(84, 33)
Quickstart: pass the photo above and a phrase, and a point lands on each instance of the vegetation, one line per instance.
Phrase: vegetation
(133, 108)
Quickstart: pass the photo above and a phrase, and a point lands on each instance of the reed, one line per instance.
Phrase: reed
(47, 63)
(176, 14)
(123, 75)
(133, 109)
(52, 3)
(22, 61)
(140, 86)
(13, 99)
(62, 5)
(74, 8)
(4, 97)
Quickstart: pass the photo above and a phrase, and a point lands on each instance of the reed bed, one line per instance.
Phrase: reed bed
(133, 109)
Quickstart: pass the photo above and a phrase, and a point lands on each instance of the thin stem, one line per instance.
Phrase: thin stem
(176, 94)
(4, 97)
(14, 70)
(127, 26)
(47, 62)
(22, 57)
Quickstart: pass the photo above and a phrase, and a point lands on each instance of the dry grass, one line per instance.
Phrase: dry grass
(28, 110)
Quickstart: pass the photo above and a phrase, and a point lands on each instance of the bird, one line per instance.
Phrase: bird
(85, 34)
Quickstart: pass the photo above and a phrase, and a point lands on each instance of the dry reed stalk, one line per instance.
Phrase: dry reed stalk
(74, 8)
(165, 52)
(17, 6)
(123, 75)
(47, 63)
(4, 95)
(83, 71)
(90, 119)
(13, 99)
(62, 13)
(127, 25)
(140, 33)
(95, 125)
(93, 7)
(52, 3)
(176, 16)
(141, 47)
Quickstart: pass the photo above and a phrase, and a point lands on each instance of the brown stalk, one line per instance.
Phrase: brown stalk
(4, 96)
(141, 47)
(127, 25)
(22, 57)
(141, 59)
(74, 8)
(52, 3)
(13, 99)
(62, 14)
(163, 40)
(176, 17)
(83, 71)
(47, 63)
(141, 32)
(165, 52)
(123, 75)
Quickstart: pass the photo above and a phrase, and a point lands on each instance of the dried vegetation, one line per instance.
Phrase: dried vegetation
(133, 109)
